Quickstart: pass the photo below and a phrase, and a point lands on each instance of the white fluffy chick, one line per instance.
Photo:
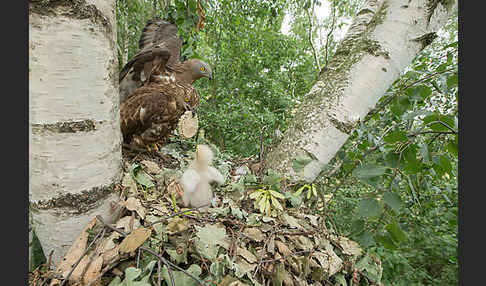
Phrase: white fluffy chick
(195, 180)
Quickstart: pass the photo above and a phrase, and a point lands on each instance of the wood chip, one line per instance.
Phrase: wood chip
(187, 126)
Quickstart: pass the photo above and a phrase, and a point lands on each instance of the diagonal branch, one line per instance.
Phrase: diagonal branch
(310, 35)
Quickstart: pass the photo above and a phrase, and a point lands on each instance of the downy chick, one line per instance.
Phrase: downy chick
(195, 180)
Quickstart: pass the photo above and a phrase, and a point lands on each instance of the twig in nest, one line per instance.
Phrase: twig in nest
(91, 257)
(138, 150)
(81, 257)
(263, 251)
(295, 253)
(168, 263)
(138, 257)
(98, 217)
(230, 252)
(107, 267)
(159, 280)
(204, 262)
(296, 233)
(48, 266)
(178, 213)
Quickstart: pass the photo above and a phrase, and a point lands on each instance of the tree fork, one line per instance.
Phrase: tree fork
(382, 41)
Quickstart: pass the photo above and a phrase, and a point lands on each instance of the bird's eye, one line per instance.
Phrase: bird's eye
(202, 68)
(187, 99)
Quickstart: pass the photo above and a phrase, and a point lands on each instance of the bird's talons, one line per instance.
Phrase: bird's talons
(154, 147)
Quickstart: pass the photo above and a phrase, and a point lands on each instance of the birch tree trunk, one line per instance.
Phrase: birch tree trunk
(74, 138)
(384, 38)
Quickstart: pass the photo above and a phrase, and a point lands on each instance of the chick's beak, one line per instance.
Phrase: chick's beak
(210, 76)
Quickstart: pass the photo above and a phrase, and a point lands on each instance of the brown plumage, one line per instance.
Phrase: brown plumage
(160, 49)
(151, 113)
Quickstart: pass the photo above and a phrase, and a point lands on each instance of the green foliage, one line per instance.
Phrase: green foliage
(311, 190)
(401, 200)
(135, 276)
(266, 200)
(140, 176)
(396, 190)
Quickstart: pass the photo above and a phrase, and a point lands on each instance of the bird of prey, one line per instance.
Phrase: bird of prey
(152, 111)
(160, 49)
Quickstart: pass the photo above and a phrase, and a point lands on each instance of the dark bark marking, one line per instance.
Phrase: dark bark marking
(75, 204)
(66, 127)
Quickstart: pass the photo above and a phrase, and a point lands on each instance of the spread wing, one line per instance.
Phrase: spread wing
(158, 31)
(159, 46)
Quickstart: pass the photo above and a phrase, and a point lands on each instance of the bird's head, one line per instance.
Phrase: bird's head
(200, 69)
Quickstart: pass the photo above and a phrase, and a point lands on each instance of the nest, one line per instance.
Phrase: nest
(156, 242)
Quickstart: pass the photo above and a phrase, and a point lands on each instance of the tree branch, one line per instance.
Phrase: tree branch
(310, 36)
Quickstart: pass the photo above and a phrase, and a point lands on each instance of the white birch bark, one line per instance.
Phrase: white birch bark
(386, 35)
(75, 138)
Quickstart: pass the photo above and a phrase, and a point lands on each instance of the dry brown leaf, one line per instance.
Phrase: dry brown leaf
(124, 223)
(134, 204)
(94, 269)
(254, 233)
(129, 183)
(282, 248)
(135, 240)
(271, 245)
(176, 225)
(75, 251)
(247, 255)
(175, 188)
(329, 261)
(55, 282)
(350, 247)
(151, 167)
(76, 275)
(109, 255)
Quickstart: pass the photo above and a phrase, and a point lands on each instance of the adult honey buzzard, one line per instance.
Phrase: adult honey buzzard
(160, 49)
(150, 109)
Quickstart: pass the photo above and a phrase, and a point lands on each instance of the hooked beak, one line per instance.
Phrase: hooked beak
(210, 76)
(194, 111)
